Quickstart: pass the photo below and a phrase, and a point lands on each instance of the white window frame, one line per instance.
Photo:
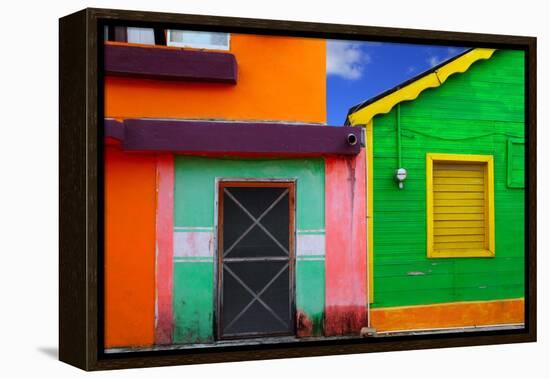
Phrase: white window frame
(196, 45)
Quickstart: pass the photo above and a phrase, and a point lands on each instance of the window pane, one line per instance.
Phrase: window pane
(219, 38)
(206, 40)
(141, 35)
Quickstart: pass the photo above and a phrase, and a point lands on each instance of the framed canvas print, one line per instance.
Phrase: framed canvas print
(236, 189)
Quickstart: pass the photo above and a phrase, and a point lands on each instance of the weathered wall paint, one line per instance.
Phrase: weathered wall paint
(310, 294)
(279, 78)
(310, 282)
(165, 248)
(130, 199)
(346, 245)
(194, 222)
(471, 113)
(449, 315)
(189, 241)
(193, 301)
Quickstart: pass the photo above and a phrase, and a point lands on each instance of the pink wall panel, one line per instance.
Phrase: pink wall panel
(165, 248)
(346, 245)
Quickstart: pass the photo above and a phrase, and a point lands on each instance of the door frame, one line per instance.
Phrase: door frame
(220, 183)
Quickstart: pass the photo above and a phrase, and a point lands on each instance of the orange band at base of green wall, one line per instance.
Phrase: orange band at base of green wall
(448, 315)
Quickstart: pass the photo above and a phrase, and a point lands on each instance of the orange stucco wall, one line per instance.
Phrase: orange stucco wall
(279, 78)
(129, 248)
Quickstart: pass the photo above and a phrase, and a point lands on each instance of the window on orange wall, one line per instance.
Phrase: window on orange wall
(144, 36)
(460, 206)
(198, 40)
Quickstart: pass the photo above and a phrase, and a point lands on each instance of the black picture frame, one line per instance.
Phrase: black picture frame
(81, 187)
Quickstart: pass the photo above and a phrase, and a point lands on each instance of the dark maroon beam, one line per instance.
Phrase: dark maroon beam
(113, 129)
(170, 64)
(206, 137)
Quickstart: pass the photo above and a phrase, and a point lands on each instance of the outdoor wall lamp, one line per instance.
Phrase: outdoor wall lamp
(400, 176)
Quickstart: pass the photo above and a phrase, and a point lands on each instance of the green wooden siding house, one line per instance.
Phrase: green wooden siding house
(446, 243)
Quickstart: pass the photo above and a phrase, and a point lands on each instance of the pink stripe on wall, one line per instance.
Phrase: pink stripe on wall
(165, 248)
(346, 245)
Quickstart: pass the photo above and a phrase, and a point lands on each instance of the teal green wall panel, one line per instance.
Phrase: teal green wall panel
(310, 292)
(475, 112)
(195, 186)
(193, 302)
(194, 205)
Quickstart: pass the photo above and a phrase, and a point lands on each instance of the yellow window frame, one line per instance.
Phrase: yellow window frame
(489, 205)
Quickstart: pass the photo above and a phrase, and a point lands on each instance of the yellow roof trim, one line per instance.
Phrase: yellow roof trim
(412, 90)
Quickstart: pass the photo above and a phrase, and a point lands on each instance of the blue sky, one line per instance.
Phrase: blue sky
(357, 71)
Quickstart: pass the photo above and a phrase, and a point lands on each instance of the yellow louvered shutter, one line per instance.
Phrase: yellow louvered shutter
(460, 205)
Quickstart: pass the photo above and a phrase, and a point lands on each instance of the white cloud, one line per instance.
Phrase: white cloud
(452, 51)
(433, 60)
(346, 59)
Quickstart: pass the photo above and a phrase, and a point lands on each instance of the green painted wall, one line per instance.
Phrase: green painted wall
(193, 302)
(194, 208)
(475, 112)
(194, 203)
(310, 292)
